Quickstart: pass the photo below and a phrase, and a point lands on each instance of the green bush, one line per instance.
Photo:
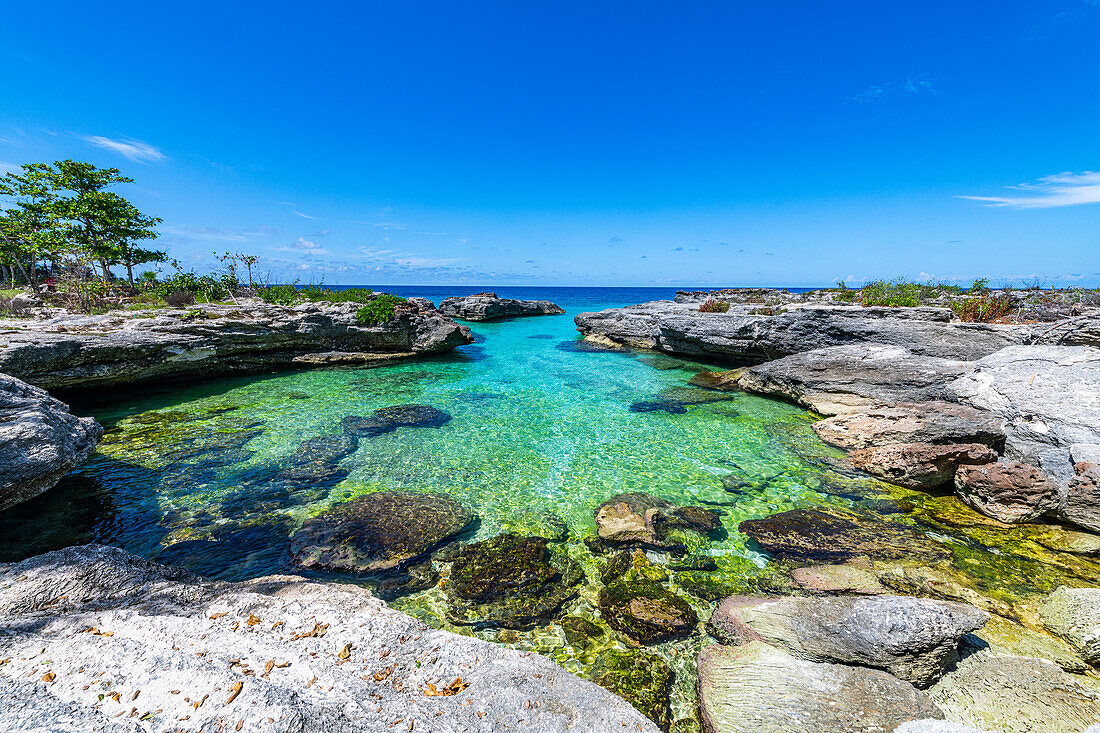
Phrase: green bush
(902, 293)
(321, 294)
(984, 308)
(279, 294)
(378, 311)
(205, 287)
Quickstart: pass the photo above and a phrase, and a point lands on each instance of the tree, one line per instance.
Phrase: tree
(31, 229)
(248, 261)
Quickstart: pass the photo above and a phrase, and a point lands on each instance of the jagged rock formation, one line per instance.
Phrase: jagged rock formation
(488, 307)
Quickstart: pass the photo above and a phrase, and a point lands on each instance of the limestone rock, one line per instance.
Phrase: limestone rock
(108, 623)
(941, 584)
(845, 379)
(1007, 638)
(488, 307)
(641, 519)
(645, 612)
(1008, 491)
(915, 639)
(378, 532)
(123, 347)
(920, 465)
(40, 441)
(1048, 396)
(1016, 695)
(1074, 615)
(757, 688)
(1082, 504)
(912, 422)
(834, 535)
(845, 578)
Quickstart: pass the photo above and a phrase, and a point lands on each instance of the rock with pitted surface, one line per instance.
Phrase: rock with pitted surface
(94, 631)
(1074, 615)
(638, 518)
(851, 577)
(1007, 491)
(747, 336)
(835, 535)
(510, 581)
(488, 307)
(920, 465)
(122, 347)
(1082, 504)
(646, 613)
(912, 422)
(757, 688)
(40, 441)
(845, 379)
(1049, 398)
(378, 532)
(914, 639)
(1013, 694)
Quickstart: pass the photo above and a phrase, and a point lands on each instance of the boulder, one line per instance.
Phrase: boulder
(846, 379)
(1082, 504)
(1008, 492)
(1048, 396)
(834, 535)
(40, 441)
(757, 688)
(1012, 694)
(378, 532)
(914, 639)
(102, 640)
(123, 347)
(912, 422)
(1074, 615)
(644, 612)
(388, 419)
(920, 465)
(641, 519)
(509, 581)
(643, 680)
(488, 307)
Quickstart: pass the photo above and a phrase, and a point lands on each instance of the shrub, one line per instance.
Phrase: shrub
(204, 287)
(714, 306)
(180, 298)
(984, 308)
(979, 286)
(278, 294)
(378, 311)
(321, 294)
(902, 293)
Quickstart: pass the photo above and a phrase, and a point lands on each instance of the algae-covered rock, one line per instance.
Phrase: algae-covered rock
(509, 581)
(1007, 638)
(835, 535)
(388, 419)
(1016, 695)
(734, 576)
(639, 519)
(757, 688)
(645, 612)
(725, 381)
(941, 583)
(632, 565)
(642, 679)
(378, 532)
(1074, 615)
(580, 632)
(915, 639)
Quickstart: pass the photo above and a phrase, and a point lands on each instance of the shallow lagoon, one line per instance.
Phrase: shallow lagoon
(540, 427)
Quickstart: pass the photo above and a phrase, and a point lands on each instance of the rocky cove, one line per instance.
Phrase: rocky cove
(917, 546)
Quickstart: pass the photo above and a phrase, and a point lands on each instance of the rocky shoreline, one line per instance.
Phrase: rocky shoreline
(489, 307)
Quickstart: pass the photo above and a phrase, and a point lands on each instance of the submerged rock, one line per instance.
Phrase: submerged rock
(276, 653)
(846, 578)
(1008, 491)
(378, 532)
(914, 639)
(40, 441)
(388, 419)
(643, 680)
(645, 612)
(757, 688)
(920, 465)
(833, 535)
(912, 422)
(488, 307)
(642, 519)
(1074, 615)
(580, 632)
(726, 381)
(509, 581)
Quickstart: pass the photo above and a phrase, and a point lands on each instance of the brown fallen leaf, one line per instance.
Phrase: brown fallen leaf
(317, 631)
(252, 620)
(384, 673)
(199, 703)
(456, 686)
(277, 624)
(345, 652)
(234, 691)
(268, 667)
(215, 616)
(116, 696)
(49, 677)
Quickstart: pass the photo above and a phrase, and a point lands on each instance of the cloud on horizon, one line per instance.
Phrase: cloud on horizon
(135, 150)
(1061, 189)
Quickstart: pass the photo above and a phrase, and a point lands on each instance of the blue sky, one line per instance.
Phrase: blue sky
(787, 143)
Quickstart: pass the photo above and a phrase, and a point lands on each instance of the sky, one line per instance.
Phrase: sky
(580, 143)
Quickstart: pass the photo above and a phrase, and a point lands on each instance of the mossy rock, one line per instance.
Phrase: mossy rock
(734, 576)
(580, 632)
(642, 679)
(388, 419)
(509, 581)
(632, 565)
(530, 523)
(646, 613)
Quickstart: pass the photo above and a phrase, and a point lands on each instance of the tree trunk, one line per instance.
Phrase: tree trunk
(130, 275)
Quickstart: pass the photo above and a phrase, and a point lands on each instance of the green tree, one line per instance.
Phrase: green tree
(31, 227)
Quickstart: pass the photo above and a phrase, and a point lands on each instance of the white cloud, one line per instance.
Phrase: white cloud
(304, 245)
(214, 234)
(1061, 189)
(135, 150)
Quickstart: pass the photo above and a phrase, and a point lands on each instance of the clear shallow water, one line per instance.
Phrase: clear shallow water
(539, 426)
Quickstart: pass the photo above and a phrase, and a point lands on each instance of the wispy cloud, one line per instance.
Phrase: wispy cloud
(1061, 189)
(304, 245)
(294, 210)
(135, 150)
(215, 234)
(922, 83)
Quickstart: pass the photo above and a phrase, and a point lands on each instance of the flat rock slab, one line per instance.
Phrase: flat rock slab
(488, 307)
(920, 465)
(1010, 694)
(914, 639)
(40, 441)
(845, 578)
(1048, 396)
(845, 379)
(1074, 615)
(757, 688)
(934, 421)
(95, 632)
